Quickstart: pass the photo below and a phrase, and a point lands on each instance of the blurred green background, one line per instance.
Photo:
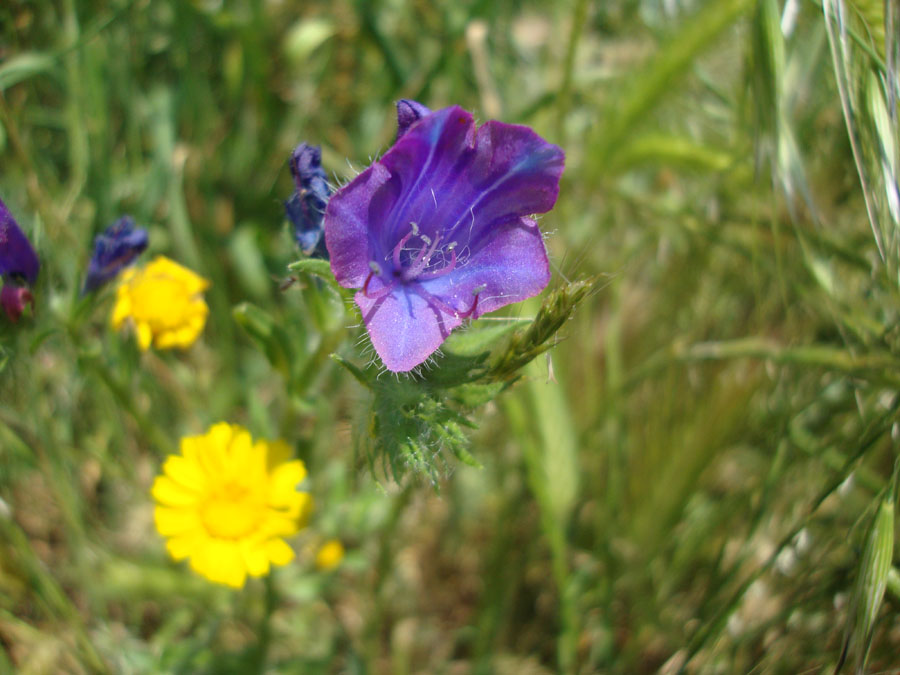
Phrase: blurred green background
(689, 483)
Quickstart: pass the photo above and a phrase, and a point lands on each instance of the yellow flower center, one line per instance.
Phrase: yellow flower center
(232, 512)
(162, 301)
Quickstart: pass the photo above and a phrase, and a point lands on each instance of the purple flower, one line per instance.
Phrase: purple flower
(438, 230)
(118, 247)
(307, 205)
(19, 266)
(13, 299)
(18, 261)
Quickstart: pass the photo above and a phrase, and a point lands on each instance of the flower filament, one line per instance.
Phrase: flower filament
(416, 268)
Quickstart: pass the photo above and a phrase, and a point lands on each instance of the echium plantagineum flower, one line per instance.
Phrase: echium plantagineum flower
(439, 230)
(115, 249)
(306, 207)
(19, 266)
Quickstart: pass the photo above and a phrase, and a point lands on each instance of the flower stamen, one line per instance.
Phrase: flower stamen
(381, 292)
(415, 270)
(446, 269)
(469, 312)
(413, 232)
(422, 260)
(447, 309)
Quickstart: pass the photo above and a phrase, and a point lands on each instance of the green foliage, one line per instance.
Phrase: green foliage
(528, 343)
(871, 581)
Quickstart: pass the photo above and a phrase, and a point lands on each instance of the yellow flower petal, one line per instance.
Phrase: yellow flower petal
(144, 335)
(298, 510)
(219, 436)
(256, 557)
(168, 492)
(211, 448)
(241, 451)
(182, 547)
(220, 561)
(283, 482)
(121, 311)
(280, 526)
(185, 472)
(171, 522)
(279, 552)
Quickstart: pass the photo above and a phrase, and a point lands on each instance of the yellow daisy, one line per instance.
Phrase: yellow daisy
(329, 555)
(227, 503)
(163, 302)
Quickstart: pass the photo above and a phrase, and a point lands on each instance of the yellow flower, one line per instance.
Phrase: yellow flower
(163, 303)
(227, 503)
(330, 555)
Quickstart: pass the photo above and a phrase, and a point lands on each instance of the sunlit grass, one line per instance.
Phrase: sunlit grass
(697, 475)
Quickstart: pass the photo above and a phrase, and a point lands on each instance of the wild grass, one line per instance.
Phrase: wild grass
(698, 478)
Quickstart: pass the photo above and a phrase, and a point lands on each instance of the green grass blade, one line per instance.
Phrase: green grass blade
(657, 78)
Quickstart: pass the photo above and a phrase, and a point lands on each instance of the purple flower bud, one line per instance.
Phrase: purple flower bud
(408, 113)
(116, 248)
(13, 299)
(306, 207)
(439, 229)
(17, 258)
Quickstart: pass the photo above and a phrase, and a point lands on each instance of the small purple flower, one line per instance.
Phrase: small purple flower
(116, 248)
(13, 299)
(439, 229)
(18, 261)
(19, 266)
(306, 207)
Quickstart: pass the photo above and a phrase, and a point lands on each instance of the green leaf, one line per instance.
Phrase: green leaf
(268, 335)
(871, 581)
(248, 263)
(363, 377)
(655, 148)
(317, 266)
(480, 337)
(23, 66)
(641, 94)
(476, 395)
(305, 36)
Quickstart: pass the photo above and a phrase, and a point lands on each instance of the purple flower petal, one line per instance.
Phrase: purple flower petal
(348, 239)
(438, 231)
(17, 257)
(510, 266)
(404, 328)
(408, 113)
(117, 247)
